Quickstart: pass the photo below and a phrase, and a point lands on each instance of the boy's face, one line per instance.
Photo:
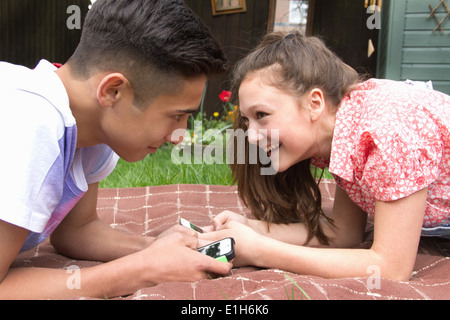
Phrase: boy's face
(133, 132)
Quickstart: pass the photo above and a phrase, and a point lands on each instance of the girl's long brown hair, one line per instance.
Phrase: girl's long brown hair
(297, 65)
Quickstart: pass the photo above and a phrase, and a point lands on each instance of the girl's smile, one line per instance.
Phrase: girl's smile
(299, 123)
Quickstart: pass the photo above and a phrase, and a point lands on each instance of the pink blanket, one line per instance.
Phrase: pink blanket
(149, 211)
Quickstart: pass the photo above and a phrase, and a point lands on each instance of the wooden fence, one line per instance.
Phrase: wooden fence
(31, 30)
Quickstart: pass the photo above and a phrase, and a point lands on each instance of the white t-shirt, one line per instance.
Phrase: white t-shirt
(42, 173)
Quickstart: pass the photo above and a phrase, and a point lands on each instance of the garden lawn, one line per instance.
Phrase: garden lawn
(158, 169)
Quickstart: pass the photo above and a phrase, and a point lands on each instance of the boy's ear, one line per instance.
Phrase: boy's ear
(112, 88)
(316, 102)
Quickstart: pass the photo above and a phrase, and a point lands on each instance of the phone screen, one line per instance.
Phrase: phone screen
(219, 249)
(190, 225)
(213, 250)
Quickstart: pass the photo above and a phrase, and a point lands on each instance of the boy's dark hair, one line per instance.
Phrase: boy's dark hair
(154, 43)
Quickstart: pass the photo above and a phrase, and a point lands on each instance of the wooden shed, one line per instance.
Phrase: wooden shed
(414, 42)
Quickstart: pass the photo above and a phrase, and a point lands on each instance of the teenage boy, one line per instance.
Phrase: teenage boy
(136, 76)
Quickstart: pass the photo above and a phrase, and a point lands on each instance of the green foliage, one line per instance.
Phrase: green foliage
(158, 169)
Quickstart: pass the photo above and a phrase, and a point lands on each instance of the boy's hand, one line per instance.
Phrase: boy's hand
(246, 241)
(174, 257)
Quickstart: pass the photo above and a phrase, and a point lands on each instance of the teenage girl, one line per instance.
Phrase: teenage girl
(386, 143)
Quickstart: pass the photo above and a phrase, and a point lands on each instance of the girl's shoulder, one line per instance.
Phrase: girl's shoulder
(391, 135)
(394, 105)
(388, 94)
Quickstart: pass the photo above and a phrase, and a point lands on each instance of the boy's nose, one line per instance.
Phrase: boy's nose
(176, 137)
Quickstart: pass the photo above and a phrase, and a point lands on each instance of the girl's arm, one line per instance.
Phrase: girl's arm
(397, 233)
(348, 230)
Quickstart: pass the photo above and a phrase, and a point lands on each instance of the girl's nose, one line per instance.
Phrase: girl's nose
(254, 136)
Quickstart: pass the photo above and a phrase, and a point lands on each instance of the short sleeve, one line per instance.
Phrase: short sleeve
(31, 161)
(98, 162)
(400, 162)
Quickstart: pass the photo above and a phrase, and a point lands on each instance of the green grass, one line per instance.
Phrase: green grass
(158, 169)
(294, 284)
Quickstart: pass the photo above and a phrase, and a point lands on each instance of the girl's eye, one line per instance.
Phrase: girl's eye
(260, 115)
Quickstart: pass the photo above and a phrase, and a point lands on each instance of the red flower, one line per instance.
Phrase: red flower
(225, 96)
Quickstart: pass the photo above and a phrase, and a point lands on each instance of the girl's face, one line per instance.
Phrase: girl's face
(269, 111)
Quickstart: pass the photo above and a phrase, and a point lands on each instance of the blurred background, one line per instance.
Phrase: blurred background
(396, 39)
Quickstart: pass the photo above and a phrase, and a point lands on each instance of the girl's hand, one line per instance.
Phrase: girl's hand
(226, 216)
(177, 229)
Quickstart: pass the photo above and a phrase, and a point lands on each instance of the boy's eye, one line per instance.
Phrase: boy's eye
(179, 117)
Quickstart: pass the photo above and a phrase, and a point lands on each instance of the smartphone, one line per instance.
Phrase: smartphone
(190, 225)
(222, 250)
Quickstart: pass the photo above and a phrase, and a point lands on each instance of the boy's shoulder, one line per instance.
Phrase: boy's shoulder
(34, 91)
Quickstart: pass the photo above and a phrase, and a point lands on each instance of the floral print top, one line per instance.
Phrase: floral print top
(391, 140)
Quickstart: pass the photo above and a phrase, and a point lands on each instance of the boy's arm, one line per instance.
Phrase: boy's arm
(156, 264)
(81, 235)
(37, 283)
(12, 239)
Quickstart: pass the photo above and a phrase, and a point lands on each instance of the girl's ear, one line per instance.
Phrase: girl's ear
(316, 102)
(112, 88)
